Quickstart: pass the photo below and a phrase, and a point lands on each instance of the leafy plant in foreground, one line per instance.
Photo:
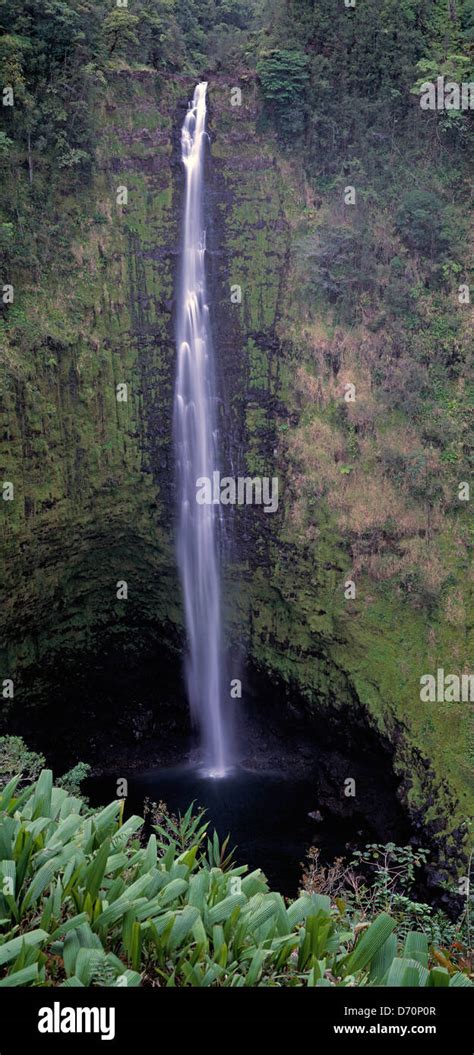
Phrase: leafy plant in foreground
(380, 878)
(84, 903)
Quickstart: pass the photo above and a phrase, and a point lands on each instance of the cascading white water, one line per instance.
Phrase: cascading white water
(196, 456)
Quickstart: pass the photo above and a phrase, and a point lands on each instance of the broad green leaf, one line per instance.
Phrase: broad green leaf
(87, 963)
(10, 949)
(254, 883)
(64, 832)
(416, 947)
(298, 910)
(136, 946)
(406, 973)
(183, 924)
(94, 873)
(172, 891)
(369, 943)
(8, 833)
(219, 912)
(459, 979)
(41, 804)
(123, 834)
(70, 950)
(133, 979)
(198, 887)
(259, 908)
(380, 963)
(7, 793)
(42, 879)
(438, 976)
(256, 966)
(23, 977)
(69, 925)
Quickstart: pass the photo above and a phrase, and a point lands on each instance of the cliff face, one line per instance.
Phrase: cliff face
(92, 473)
(356, 660)
(93, 476)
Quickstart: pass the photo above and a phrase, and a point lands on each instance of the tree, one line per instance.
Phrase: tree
(119, 31)
(284, 76)
(420, 222)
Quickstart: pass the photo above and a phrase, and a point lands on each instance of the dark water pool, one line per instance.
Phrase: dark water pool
(266, 814)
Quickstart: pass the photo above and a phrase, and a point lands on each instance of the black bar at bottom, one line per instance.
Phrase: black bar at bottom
(330, 1019)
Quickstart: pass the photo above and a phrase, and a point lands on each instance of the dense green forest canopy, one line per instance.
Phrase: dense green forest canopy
(329, 72)
(56, 58)
(339, 84)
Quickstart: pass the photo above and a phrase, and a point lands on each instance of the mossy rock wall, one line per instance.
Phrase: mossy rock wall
(93, 478)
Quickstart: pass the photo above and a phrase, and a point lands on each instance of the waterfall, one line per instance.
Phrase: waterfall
(196, 456)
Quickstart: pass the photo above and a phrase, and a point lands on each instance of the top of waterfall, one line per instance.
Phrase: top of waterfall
(199, 93)
(193, 128)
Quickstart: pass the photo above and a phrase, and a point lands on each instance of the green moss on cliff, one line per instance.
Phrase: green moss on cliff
(93, 477)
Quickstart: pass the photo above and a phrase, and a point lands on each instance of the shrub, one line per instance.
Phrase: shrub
(420, 222)
(72, 780)
(283, 76)
(337, 262)
(381, 878)
(15, 757)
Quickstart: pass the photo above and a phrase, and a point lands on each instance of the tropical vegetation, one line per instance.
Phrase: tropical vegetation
(88, 899)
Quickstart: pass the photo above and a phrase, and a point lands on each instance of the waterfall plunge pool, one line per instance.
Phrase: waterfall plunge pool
(272, 819)
(104, 711)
